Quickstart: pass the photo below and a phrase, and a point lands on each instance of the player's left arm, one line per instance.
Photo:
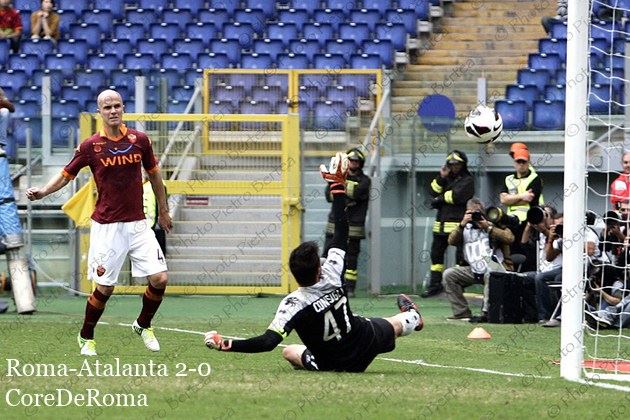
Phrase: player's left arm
(164, 217)
(267, 341)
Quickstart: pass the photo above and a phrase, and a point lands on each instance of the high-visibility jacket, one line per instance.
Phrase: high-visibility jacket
(517, 185)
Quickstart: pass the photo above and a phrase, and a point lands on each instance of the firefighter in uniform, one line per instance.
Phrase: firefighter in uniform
(450, 189)
(357, 199)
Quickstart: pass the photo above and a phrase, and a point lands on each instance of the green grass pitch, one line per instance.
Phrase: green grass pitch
(425, 377)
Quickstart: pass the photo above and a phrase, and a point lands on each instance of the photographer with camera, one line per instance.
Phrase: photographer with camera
(486, 248)
(450, 189)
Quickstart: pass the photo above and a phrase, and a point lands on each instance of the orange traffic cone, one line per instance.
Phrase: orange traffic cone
(479, 334)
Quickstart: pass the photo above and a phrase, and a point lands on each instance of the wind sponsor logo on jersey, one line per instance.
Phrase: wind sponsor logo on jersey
(121, 159)
(325, 301)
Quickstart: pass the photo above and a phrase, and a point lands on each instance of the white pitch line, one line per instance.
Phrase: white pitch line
(412, 362)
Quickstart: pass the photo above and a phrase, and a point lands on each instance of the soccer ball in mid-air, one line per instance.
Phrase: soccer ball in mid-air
(484, 124)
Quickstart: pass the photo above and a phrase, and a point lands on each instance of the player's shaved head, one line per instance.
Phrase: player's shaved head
(107, 96)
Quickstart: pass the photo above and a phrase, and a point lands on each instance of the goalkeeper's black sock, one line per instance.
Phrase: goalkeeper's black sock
(94, 308)
(151, 301)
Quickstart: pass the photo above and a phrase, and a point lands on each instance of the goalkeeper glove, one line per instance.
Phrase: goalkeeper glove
(336, 174)
(214, 341)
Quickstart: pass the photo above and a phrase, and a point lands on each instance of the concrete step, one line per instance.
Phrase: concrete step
(445, 68)
(221, 227)
(453, 92)
(527, 23)
(234, 263)
(515, 62)
(492, 35)
(447, 44)
(220, 214)
(471, 6)
(468, 77)
(471, 53)
(251, 253)
(233, 240)
(224, 278)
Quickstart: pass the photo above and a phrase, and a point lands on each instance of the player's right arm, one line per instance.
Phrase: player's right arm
(56, 183)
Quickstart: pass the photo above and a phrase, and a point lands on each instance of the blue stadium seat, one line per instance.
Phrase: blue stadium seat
(604, 29)
(365, 61)
(80, 94)
(144, 17)
(599, 99)
(220, 107)
(407, 18)
(268, 7)
(329, 115)
(342, 47)
(370, 17)
(176, 107)
(548, 115)
(65, 108)
(92, 78)
(270, 94)
(513, 113)
(243, 32)
(4, 52)
(19, 131)
(254, 17)
(360, 82)
(157, 5)
(118, 47)
(557, 46)
(77, 5)
(155, 47)
(345, 5)
(178, 61)
(167, 31)
(619, 46)
(293, 61)
(66, 63)
(309, 47)
(615, 61)
(192, 47)
(321, 32)
(124, 78)
(538, 78)
(256, 107)
(422, 8)
(599, 48)
(394, 32)
(346, 95)
(90, 32)
(213, 61)
(64, 131)
(116, 7)
(26, 21)
(103, 18)
(193, 5)
(329, 61)
(558, 30)
(309, 95)
(218, 17)
(256, 61)
(229, 5)
(549, 62)
(309, 5)
(139, 61)
(332, 17)
(555, 93)
(299, 17)
(202, 31)
(384, 49)
(607, 76)
(26, 62)
(181, 93)
(273, 47)
(528, 93)
(230, 94)
(26, 5)
(179, 17)
(77, 47)
(27, 109)
(39, 47)
(377, 4)
(172, 77)
(27, 93)
(130, 31)
(357, 32)
(280, 81)
(105, 62)
(66, 18)
(57, 79)
(191, 75)
(282, 31)
(320, 81)
(230, 47)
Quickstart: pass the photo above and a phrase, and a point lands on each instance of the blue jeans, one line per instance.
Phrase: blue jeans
(4, 124)
(543, 292)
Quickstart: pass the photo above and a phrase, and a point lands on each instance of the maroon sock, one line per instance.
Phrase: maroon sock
(150, 303)
(94, 308)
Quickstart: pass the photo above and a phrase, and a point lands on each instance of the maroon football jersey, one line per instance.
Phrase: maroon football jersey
(115, 164)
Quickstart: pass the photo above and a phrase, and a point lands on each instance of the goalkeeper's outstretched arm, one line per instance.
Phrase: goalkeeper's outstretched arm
(265, 342)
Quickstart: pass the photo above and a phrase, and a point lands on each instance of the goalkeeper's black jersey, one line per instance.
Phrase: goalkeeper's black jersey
(321, 316)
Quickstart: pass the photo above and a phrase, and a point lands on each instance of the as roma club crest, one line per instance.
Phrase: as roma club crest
(132, 138)
(97, 148)
(100, 270)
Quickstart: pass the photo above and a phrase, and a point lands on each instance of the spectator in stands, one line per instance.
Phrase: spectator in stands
(45, 22)
(10, 25)
(451, 189)
(486, 248)
(561, 16)
(357, 200)
(5, 108)
(620, 187)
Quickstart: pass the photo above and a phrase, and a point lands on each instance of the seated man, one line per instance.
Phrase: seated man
(5, 108)
(486, 248)
(613, 316)
(334, 338)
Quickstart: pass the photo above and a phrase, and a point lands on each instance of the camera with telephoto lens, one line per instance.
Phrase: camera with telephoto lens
(476, 216)
(498, 217)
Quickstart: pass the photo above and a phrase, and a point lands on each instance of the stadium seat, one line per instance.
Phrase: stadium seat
(192, 75)
(357, 32)
(80, 94)
(284, 32)
(229, 5)
(4, 52)
(56, 79)
(116, 7)
(213, 61)
(124, 78)
(155, 47)
(202, 31)
(599, 48)
(246, 81)
(27, 108)
(309, 95)
(256, 107)
(139, 61)
(365, 61)
(176, 107)
(230, 47)
(256, 61)
(157, 5)
(421, 8)
(555, 93)
(65, 108)
(218, 17)
(333, 17)
(118, 47)
(38, 47)
(90, 32)
(394, 32)
(329, 61)
(377, 4)
(614, 77)
(103, 18)
(66, 18)
(144, 17)
(92, 78)
(270, 94)
(192, 47)
(599, 100)
(179, 17)
(615, 61)
(243, 32)
(543, 61)
(220, 107)
(368, 17)
(26, 62)
(513, 113)
(561, 77)
(26, 5)
(130, 31)
(556, 46)
(280, 81)
(604, 29)
(383, 49)
(360, 82)
(329, 115)
(321, 32)
(230, 94)
(171, 76)
(193, 5)
(254, 17)
(293, 61)
(346, 95)
(66, 63)
(20, 125)
(181, 93)
(344, 5)
(619, 46)
(538, 78)
(77, 47)
(558, 30)
(105, 62)
(341, 47)
(309, 5)
(407, 18)
(28, 93)
(309, 47)
(166, 31)
(177, 61)
(527, 93)
(273, 47)
(299, 17)
(76, 5)
(548, 115)
(63, 131)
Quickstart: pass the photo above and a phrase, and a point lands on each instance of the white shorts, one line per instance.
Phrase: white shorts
(109, 245)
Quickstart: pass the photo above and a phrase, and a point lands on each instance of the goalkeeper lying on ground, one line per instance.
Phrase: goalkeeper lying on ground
(334, 338)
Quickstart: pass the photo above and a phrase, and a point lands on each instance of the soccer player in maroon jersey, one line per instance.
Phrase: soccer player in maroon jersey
(115, 156)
